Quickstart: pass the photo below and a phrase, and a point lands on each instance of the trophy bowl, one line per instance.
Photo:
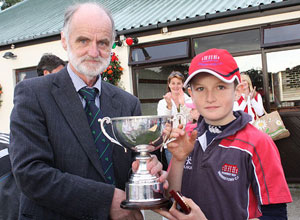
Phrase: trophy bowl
(142, 134)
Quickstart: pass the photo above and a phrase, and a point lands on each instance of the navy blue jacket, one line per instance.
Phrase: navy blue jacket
(9, 193)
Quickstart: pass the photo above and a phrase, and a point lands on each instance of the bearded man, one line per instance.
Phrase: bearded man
(54, 148)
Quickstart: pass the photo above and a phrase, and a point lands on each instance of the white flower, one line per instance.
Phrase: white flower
(278, 122)
(260, 124)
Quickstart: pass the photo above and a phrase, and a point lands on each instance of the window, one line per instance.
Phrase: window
(281, 35)
(152, 85)
(27, 73)
(252, 66)
(233, 42)
(159, 52)
(284, 78)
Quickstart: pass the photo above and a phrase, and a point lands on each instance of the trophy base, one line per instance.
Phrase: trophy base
(147, 194)
(145, 205)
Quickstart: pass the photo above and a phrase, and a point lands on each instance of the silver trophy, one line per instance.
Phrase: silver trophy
(142, 134)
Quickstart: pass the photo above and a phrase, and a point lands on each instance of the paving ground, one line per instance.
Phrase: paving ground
(293, 208)
(149, 215)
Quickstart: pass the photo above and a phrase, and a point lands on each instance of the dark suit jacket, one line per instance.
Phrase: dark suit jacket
(9, 193)
(53, 153)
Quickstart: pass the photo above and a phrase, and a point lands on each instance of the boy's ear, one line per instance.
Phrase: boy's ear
(238, 91)
(190, 91)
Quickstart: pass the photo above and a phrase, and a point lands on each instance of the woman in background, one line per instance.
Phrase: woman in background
(248, 99)
(174, 100)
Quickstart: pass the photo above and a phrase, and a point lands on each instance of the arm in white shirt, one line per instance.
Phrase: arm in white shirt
(162, 108)
(258, 105)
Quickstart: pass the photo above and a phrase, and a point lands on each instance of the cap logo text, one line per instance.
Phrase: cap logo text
(212, 60)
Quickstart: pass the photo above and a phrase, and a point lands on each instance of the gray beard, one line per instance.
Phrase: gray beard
(89, 72)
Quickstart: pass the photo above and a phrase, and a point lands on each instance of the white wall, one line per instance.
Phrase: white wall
(26, 57)
(29, 56)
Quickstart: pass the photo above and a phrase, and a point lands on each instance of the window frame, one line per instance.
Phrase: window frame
(159, 43)
(265, 72)
(279, 43)
(193, 38)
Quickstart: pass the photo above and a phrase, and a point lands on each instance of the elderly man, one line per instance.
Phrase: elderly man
(56, 153)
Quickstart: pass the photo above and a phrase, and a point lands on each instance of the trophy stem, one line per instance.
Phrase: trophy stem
(143, 190)
(143, 157)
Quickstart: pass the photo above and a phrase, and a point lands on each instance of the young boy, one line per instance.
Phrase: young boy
(227, 167)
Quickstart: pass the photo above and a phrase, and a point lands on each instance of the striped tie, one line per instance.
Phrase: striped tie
(103, 144)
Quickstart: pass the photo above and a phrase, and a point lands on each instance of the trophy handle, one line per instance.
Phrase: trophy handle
(167, 142)
(107, 120)
(181, 118)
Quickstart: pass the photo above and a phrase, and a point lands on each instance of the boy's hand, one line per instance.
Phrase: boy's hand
(195, 214)
(183, 145)
(167, 131)
(174, 214)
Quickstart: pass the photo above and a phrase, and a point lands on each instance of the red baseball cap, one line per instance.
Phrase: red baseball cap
(217, 62)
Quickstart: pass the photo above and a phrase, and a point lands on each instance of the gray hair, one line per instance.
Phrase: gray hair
(70, 11)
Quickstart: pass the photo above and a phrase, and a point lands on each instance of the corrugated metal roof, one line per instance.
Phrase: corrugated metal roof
(33, 19)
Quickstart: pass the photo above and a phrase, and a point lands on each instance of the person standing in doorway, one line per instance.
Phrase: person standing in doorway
(174, 100)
